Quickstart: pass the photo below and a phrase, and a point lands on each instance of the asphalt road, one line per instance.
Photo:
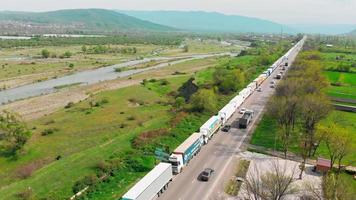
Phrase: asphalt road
(218, 154)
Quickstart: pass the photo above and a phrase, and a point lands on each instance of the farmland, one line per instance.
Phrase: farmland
(106, 128)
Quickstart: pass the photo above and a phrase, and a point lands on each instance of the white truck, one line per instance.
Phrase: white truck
(185, 152)
(237, 101)
(245, 93)
(209, 128)
(152, 185)
(226, 112)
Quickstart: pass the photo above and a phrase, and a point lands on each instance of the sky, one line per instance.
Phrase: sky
(282, 11)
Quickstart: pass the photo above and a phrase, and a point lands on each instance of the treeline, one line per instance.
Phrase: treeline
(157, 39)
(298, 107)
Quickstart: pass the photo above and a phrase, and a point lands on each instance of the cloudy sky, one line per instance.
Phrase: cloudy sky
(283, 11)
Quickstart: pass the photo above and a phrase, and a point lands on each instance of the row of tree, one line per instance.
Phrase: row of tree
(298, 107)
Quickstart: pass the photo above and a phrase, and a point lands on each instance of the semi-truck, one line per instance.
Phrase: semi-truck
(246, 119)
(226, 112)
(185, 152)
(152, 185)
(245, 93)
(209, 128)
(237, 101)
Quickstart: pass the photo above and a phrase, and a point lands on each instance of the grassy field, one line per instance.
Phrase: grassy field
(347, 81)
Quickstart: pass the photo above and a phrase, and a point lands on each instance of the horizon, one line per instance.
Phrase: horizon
(321, 12)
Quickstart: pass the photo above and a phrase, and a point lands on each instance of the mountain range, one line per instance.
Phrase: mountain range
(103, 21)
(200, 21)
(80, 20)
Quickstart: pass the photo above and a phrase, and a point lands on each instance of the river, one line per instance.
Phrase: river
(91, 77)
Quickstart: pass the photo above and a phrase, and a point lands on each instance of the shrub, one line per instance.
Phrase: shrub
(164, 82)
(118, 70)
(69, 105)
(83, 183)
(131, 118)
(49, 131)
(71, 65)
(148, 136)
(26, 194)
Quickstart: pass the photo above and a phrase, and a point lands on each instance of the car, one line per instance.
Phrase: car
(226, 128)
(206, 174)
(259, 89)
(242, 111)
(272, 82)
(272, 86)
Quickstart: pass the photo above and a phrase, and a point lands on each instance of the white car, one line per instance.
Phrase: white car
(243, 110)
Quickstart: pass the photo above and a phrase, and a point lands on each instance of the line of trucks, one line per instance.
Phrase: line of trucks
(157, 180)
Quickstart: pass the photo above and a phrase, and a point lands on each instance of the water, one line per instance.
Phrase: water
(90, 77)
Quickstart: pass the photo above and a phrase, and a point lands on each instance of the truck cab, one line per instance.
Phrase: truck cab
(177, 162)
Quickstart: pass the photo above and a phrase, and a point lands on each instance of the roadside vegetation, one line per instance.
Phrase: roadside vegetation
(300, 117)
(108, 141)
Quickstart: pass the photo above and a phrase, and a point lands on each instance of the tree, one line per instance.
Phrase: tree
(228, 80)
(84, 49)
(338, 142)
(284, 110)
(275, 184)
(336, 189)
(13, 132)
(180, 101)
(314, 108)
(67, 54)
(45, 53)
(186, 48)
(204, 100)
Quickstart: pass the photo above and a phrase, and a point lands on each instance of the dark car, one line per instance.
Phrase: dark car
(226, 128)
(206, 174)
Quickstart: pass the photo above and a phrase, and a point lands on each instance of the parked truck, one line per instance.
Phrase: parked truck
(226, 112)
(237, 101)
(152, 185)
(209, 128)
(185, 152)
(246, 119)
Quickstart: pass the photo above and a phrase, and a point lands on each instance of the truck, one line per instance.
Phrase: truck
(245, 93)
(181, 156)
(209, 128)
(237, 101)
(226, 112)
(246, 119)
(279, 76)
(252, 86)
(152, 185)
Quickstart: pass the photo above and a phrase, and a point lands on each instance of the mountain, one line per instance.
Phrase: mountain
(209, 21)
(330, 29)
(84, 20)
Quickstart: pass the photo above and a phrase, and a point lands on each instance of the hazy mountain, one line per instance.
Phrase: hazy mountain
(332, 29)
(209, 21)
(87, 20)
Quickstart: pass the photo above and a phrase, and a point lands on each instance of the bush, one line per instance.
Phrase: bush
(71, 65)
(164, 82)
(69, 105)
(49, 131)
(131, 118)
(45, 53)
(118, 70)
(83, 183)
(26, 194)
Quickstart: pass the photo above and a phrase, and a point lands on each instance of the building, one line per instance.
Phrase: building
(322, 165)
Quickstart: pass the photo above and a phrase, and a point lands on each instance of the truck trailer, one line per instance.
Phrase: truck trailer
(209, 128)
(152, 185)
(226, 112)
(185, 152)
(237, 101)
(246, 119)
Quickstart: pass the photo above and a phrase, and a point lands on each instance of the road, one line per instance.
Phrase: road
(93, 76)
(219, 154)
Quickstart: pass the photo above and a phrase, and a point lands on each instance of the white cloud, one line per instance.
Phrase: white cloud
(284, 11)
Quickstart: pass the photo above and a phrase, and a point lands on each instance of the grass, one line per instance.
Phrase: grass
(232, 187)
(85, 136)
(266, 132)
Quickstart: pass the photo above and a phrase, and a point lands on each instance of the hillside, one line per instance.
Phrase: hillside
(209, 21)
(76, 20)
(330, 29)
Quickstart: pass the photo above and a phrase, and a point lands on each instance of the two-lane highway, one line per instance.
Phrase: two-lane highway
(219, 153)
